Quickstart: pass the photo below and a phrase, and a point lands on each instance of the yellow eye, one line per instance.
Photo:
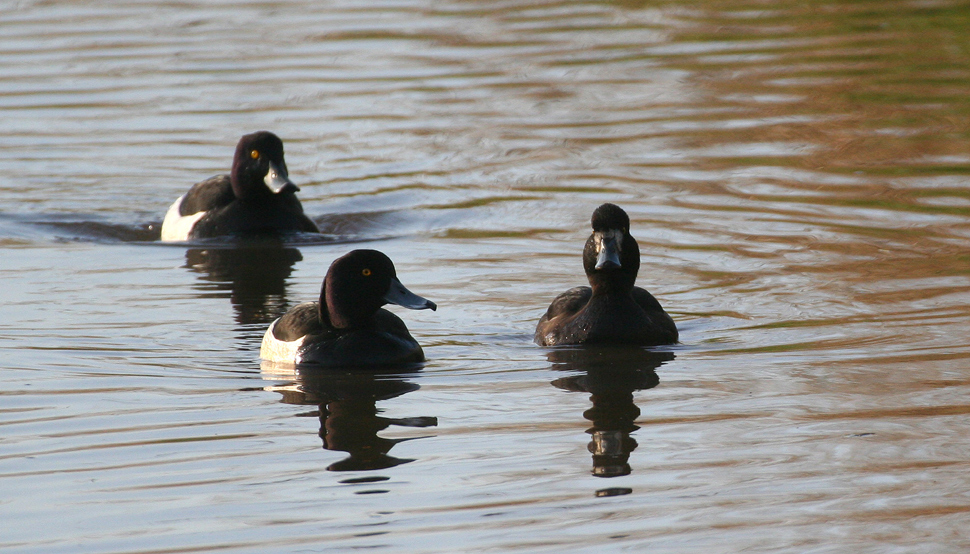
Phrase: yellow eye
(254, 154)
(365, 273)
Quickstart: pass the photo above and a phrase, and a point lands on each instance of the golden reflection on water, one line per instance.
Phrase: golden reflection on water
(834, 143)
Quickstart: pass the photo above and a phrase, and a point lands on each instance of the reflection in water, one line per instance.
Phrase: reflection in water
(349, 420)
(255, 275)
(610, 375)
(95, 230)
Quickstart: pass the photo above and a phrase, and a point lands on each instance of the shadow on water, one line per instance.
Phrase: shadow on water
(91, 228)
(348, 412)
(338, 228)
(610, 375)
(68, 228)
(253, 275)
(252, 272)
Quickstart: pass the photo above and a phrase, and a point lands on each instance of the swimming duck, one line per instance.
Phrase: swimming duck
(611, 310)
(348, 327)
(257, 196)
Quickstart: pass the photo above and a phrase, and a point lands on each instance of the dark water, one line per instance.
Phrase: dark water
(797, 176)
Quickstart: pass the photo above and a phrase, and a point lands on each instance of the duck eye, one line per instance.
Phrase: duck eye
(254, 154)
(365, 273)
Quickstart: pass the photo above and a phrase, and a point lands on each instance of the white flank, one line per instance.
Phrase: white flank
(176, 227)
(275, 350)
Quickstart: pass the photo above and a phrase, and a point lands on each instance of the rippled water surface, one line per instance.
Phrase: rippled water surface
(796, 174)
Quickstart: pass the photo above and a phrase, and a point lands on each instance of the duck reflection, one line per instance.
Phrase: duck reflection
(254, 275)
(610, 375)
(349, 416)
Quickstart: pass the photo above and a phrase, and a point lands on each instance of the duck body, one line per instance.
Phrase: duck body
(256, 197)
(611, 310)
(578, 317)
(299, 337)
(348, 327)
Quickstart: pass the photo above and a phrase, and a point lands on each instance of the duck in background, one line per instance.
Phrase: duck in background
(611, 310)
(257, 196)
(348, 327)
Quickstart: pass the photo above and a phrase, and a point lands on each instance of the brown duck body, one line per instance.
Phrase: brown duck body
(578, 316)
(302, 337)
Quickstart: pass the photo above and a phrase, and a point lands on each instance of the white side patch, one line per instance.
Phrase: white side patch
(275, 350)
(176, 227)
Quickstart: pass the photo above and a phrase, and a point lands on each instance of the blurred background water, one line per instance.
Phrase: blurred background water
(797, 178)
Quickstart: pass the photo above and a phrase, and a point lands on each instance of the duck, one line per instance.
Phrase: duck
(257, 196)
(348, 327)
(611, 310)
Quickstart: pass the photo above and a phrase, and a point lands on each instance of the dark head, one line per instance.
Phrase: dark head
(258, 168)
(358, 284)
(611, 257)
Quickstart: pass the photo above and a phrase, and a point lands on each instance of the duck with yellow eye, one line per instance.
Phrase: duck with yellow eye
(348, 327)
(256, 197)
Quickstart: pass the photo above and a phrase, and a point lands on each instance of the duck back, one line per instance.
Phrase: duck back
(386, 343)
(579, 317)
(280, 214)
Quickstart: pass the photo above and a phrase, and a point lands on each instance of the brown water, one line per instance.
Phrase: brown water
(797, 177)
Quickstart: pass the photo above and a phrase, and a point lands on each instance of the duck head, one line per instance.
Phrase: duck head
(258, 168)
(358, 284)
(611, 257)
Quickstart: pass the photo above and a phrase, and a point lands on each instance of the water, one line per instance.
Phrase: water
(796, 174)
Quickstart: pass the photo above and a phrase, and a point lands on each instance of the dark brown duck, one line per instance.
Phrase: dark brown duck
(611, 310)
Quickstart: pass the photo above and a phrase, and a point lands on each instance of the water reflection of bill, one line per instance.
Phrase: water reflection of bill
(348, 412)
(611, 375)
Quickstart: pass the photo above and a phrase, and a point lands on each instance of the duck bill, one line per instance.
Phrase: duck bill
(608, 249)
(278, 181)
(400, 295)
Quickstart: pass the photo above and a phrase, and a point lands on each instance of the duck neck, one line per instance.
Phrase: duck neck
(611, 283)
(345, 315)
